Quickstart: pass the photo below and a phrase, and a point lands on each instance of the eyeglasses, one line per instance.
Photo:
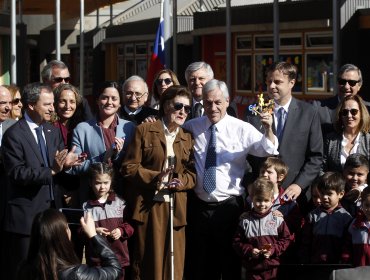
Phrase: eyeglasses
(345, 112)
(351, 83)
(178, 106)
(137, 95)
(16, 101)
(60, 79)
(167, 81)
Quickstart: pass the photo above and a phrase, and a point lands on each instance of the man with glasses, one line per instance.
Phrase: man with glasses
(349, 83)
(134, 96)
(56, 73)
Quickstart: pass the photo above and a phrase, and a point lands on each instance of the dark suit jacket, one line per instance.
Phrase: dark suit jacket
(333, 148)
(140, 117)
(301, 146)
(29, 180)
(6, 124)
(3, 179)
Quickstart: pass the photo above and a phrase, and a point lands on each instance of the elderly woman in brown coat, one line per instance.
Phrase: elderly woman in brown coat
(151, 178)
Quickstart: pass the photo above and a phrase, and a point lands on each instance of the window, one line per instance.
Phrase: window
(319, 73)
(264, 42)
(319, 40)
(244, 42)
(244, 72)
(290, 41)
(264, 61)
(141, 68)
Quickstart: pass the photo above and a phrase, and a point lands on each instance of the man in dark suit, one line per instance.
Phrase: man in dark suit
(349, 83)
(5, 123)
(33, 153)
(197, 74)
(134, 96)
(298, 131)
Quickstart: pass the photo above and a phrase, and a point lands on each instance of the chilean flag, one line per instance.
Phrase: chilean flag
(157, 61)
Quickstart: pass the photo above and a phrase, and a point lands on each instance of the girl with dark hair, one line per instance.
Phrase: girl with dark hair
(110, 215)
(51, 255)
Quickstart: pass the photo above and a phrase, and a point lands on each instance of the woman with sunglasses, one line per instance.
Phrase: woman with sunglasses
(163, 80)
(16, 112)
(159, 164)
(351, 134)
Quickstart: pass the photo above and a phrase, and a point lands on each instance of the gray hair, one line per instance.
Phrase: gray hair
(213, 84)
(135, 78)
(46, 72)
(31, 92)
(195, 66)
(350, 67)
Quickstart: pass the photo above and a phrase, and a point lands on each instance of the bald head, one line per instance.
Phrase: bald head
(5, 103)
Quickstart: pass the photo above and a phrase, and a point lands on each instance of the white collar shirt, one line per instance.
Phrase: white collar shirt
(235, 139)
(276, 109)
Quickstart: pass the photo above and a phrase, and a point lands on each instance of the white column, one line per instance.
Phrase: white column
(13, 43)
(82, 52)
(57, 29)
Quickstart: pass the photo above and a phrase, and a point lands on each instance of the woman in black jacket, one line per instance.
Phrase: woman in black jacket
(51, 254)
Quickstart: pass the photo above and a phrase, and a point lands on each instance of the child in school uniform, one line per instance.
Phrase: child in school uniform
(355, 171)
(110, 215)
(261, 237)
(357, 249)
(276, 170)
(325, 226)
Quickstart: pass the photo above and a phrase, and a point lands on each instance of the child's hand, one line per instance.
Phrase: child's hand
(255, 253)
(265, 253)
(102, 231)
(115, 234)
(277, 213)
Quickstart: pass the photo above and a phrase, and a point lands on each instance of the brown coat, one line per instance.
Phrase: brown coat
(143, 163)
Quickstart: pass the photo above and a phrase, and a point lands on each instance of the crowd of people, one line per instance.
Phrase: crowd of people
(170, 184)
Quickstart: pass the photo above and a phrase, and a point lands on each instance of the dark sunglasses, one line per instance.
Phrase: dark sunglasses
(345, 112)
(167, 81)
(343, 82)
(60, 79)
(16, 101)
(178, 106)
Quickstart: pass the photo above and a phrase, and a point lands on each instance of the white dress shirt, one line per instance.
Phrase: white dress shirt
(276, 109)
(235, 140)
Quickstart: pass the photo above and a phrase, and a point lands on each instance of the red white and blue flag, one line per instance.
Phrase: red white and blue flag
(157, 61)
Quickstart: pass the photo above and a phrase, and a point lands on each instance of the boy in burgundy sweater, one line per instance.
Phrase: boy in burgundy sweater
(261, 237)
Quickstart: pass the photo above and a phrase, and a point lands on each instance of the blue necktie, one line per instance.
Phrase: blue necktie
(42, 145)
(44, 153)
(209, 181)
(281, 123)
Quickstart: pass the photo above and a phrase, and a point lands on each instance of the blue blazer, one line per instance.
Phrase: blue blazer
(88, 137)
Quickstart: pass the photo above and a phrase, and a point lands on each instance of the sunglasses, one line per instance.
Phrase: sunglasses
(351, 83)
(60, 79)
(178, 106)
(345, 112)
(16, 101)
(167, 81)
